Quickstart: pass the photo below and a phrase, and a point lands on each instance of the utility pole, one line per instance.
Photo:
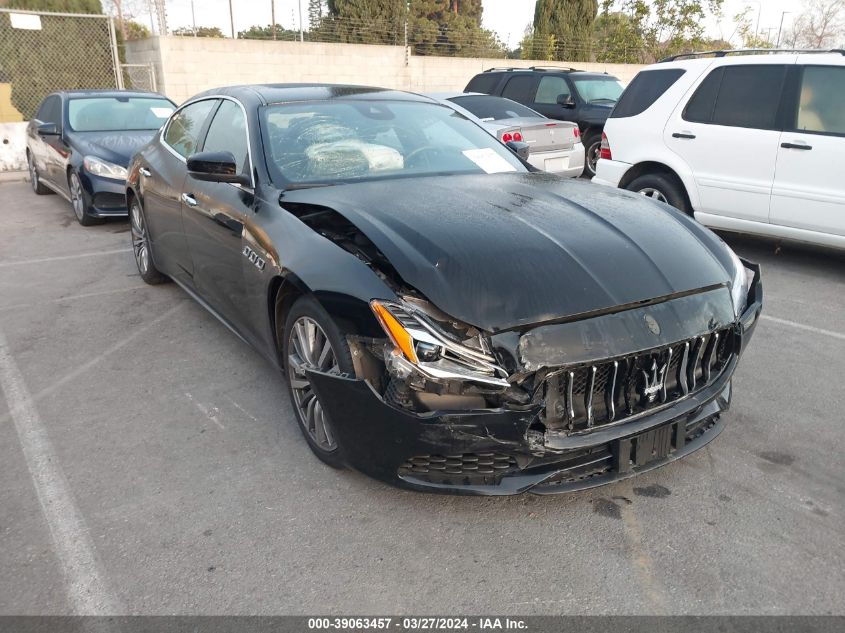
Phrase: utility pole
(231, 19)
(193, 18)
(273, 16)
(301, 28)
(780, 28)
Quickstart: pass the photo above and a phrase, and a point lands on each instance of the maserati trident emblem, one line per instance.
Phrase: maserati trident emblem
(653, 380)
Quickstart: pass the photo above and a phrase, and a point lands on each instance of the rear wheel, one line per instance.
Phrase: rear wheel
(313, 342)
(592, 151)
(34, 179)
(662, 188)
(80, 205)
(141, 245)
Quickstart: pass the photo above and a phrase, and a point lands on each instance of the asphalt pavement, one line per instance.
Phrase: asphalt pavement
(150, 464)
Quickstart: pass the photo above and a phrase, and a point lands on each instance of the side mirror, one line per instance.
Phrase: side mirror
(519, 148)
(48, 129)
(566, 101)
(216, 167)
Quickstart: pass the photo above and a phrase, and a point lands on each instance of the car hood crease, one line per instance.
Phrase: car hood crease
(508, 250)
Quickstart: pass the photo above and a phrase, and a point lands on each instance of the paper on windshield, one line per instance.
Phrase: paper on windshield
(162, 113)
(488, 160)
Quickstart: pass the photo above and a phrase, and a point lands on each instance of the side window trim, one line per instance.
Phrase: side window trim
(207, 126)
(201, 134)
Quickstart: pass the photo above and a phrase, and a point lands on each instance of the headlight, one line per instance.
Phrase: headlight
(103, 168)
(421, 345)
(742, 278)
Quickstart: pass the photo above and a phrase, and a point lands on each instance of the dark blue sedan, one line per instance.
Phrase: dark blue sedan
(80, 142)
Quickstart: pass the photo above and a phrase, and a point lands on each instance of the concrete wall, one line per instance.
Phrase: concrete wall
(188, 65)
(12, 147)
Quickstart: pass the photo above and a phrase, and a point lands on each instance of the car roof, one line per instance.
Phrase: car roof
(458, 93)
(77, 94)
(264, 94)
(547, 70)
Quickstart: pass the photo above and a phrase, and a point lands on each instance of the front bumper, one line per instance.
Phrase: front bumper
(502, 452)
(106, 197)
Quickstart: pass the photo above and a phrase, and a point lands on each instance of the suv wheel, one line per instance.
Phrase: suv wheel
(662, 188)
(592, 151)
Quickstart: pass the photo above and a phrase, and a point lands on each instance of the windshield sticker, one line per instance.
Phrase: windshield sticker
(488, 160)
(162, 113)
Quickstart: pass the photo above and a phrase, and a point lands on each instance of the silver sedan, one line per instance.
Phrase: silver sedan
(555, 145)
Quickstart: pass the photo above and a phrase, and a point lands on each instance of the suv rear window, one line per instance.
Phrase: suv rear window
(485, 82)
(646, 88)
(739, 96)
(520, 88)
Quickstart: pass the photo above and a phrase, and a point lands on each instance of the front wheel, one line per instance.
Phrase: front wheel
(80, 205)
(313, 342)
(661, 188)
(592, 152)
(141, 245)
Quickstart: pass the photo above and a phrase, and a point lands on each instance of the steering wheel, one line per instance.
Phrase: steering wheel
(421, 151)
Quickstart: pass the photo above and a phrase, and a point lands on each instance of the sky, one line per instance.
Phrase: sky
(508, 18)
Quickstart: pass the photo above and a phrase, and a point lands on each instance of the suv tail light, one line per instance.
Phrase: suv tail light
(577, 133)
(605, 153)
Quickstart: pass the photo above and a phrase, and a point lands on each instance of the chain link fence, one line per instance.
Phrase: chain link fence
(44, 52)
(139, 77)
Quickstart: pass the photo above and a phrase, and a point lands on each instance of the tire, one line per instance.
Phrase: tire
(662, 188)
(81, 208)
(592, 149)
(34, 179)
(313, 422)
(141, 245)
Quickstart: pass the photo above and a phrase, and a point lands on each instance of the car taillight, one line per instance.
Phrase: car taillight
(577, 132)
(605, 153)
(507, 137)
(517, 136)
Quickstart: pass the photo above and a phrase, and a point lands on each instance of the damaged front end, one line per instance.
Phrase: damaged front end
(439, 405)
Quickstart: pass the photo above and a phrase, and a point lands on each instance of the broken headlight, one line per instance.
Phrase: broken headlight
(421, 345)
(741, 283)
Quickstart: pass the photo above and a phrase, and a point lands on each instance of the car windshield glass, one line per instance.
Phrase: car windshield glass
(328, 142)
(112, 114)
(493, 108)
(599, 89)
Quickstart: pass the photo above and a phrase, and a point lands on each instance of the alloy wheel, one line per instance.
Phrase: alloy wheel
(310, 349)
(593, 154)
(140, 245)
(33, 173)
(654, 194)
(76, 198)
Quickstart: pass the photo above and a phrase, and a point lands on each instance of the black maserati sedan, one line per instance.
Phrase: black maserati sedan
(445, 317)
(80, 141)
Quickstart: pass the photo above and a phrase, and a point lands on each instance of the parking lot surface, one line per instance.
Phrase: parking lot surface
(150, 463)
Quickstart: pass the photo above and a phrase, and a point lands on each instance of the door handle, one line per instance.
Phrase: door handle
(796, 146)
(683, 135)
(145, 172)
(189, 200)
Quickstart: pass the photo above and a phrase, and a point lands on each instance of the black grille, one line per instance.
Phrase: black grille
(110, 201)
(580, 398)
(465, 464)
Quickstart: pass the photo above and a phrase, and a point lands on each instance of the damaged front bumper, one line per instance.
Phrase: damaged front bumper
(512, 449)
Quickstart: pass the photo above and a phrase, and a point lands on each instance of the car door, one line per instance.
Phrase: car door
(728, 134)
(51, 149)
(214, 214)
(809, 191)
(549, 90)
(162, 175)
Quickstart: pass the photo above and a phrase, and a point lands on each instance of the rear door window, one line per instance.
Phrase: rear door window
(485, 82)
(746, 96)
(521, 88)
(646, 88)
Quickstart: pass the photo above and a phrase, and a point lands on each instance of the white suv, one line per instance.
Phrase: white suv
(753, 143)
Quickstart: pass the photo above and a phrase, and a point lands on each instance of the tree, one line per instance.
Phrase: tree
(266, 33)
(202, 31)
(451, 27)
(616, 36)
(821, 24)
(58, 6)
(363, 22)
(315, 13)
(745, 31)
(570, 22)
(136, 30)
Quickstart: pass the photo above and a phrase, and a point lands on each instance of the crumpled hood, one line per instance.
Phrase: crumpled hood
(508, 250)
(115, 147)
